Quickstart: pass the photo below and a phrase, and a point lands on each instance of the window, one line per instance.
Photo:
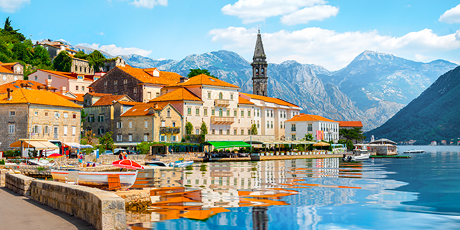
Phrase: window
(130, 124)
(228, 131)
(91, 118)
(74, 115)
(242, 113)
(105, 83)
(221, 113)
(146, 137)
(115, 82)
(79, 77)
(12, 113)
(36, 78)
(66, 115)
(228, 113)
(135, 90)
(213, 131)
(197, 111)
(11, 129)
(272, 112)
(209, 95)
(242, 131)
(268, 124)
(146, 124)
(65, 130)
(249, 113)
(82, 88)
(258, 125)
(205, 112)
(158, 94)
(119, 137)
(119, 124)
(197, 131)
(4, 77)
(173, 138)
(234, 132)
(281, 125)
(310, 127)
(293, 128)
(268, 113)
(46, 114)
(231, 96)
(100, 118)
(272, 124)
(293, 137)
(46, 129)
(130, 137)
(189, 111)
(258, 114)
(125, 81)
(174, 124)
(76, 87)
(213, 112)
(221, 96)
(49, 77)
(74, 129)
(163, 124)
(57, 115)
(234, 113)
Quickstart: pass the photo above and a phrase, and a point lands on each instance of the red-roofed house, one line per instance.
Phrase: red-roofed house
(350, 124)
(64, 81)
(319, 127)
(10, 72)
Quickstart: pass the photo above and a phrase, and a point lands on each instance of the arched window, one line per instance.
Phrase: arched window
(262, 71)
(257, 72)
(220, 113)
(221, 96)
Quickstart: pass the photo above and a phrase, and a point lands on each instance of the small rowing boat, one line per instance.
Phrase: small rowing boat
(415, 151)
(95, 179)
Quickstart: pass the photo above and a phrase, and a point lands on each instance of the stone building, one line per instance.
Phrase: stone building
(105, 112)
(10, 72)
(55, 47)
(81, 66)
(152, 122)
(319, 127)
(259, 69)
(112, 63)
(43, 114)
(64, 81)
(141, 85)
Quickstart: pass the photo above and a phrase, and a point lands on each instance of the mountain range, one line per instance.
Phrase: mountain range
(372, 88)
(432, 116)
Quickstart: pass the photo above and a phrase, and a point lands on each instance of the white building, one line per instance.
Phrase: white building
(64, 81)
(320, 127)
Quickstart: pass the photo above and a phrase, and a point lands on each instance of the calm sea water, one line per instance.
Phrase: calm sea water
(422, 192)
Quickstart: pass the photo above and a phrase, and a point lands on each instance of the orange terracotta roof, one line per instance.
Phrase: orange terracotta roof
(17, 84)
(204, 79)
(309, 117)
(41, 97)
(142, 109)
(350, 124)
(108, 100)
(244, 101)
(5, 70)
(165, 78)
(270, 99)
(98, 94)
(66, 97)
(181, 94)
(68, 75)
(130, 102)
(79, 97)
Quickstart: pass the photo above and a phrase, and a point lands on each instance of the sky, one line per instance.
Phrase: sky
(327, 33)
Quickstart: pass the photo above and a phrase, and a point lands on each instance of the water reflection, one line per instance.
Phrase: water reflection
(295, 194)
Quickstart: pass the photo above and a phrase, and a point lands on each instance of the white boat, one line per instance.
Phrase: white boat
(414, 151)
(156, 164)
(181, 163)
(41, 162)
(94, 179)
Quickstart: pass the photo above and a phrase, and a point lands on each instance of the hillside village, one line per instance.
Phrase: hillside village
(136, 105)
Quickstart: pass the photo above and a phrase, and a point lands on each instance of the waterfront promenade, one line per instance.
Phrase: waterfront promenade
(22, 213)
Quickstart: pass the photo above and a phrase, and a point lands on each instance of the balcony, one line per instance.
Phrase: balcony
(215, 120)
(169, 130)
(222, 102)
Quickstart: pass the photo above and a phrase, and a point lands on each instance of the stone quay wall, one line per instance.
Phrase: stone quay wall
(104, 210)
(2, 177)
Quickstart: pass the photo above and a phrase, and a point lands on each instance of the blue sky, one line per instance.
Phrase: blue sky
(327, 33)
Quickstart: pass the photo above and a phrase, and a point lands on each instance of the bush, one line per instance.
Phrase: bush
(350, 145)
(12, 153)
(2, 162)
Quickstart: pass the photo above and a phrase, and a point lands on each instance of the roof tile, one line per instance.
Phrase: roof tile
(108, 100)
(309, 117)
(350, 124)
(270, 100)
(204, 79)
(181, 94)
(41, 97)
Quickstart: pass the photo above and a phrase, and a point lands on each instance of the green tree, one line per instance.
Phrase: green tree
(21, 52)
(41, 56)
(10, 34)
(107, 141)
(203, 129)
(144, 147)
(350, 145)
(5, 52)
(62, 62)
(96, 60)
(188, 128)
(195, 72)
(352, 134)
(309, 137)
(253, 129)
(80, 54)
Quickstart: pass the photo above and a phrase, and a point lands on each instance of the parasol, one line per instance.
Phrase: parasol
(322, 144)
(55, 155)
(127, 164)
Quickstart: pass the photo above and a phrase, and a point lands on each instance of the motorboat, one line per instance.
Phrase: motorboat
(180, 164)
(358, 155)
(415, 151)
(95, 179)
(41, 162)
(156, 164)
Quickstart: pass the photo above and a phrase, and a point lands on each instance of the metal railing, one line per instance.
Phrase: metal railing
(222, 120)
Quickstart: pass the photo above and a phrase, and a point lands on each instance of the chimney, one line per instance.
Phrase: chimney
(183, 79)
(63, 88)
(10, 92)
(48, 82)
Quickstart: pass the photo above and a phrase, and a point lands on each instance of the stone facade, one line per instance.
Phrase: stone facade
(81, 66)
(112, 63)
(44, 121)
(118, 82)
(259, 69)
(13, 72)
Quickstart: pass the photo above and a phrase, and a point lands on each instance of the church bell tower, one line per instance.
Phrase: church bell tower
(259, 69)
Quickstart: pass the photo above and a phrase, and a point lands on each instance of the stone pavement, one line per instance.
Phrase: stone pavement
(21, 213)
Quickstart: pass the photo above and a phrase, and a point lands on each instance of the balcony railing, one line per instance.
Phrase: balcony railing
(222, 102)
(222, 120)
(169, 130)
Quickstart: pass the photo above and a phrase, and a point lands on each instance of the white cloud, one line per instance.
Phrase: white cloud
(451, 16)
(318, 13)
(100, 33)
(420, 57)
(258, 10)
(329, 48)
(149, 3)
(114, 50)
(10, 6)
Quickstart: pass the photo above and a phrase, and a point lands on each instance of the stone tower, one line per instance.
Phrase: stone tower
(259, 69)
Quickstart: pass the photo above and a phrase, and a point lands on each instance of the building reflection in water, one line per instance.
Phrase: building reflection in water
(212, 188)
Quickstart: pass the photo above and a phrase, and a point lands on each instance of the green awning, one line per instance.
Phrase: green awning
(228, 144)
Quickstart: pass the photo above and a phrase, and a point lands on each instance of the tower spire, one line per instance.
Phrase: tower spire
(259, 69)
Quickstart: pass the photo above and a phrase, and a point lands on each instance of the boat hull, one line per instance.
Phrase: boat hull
(97, 179)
